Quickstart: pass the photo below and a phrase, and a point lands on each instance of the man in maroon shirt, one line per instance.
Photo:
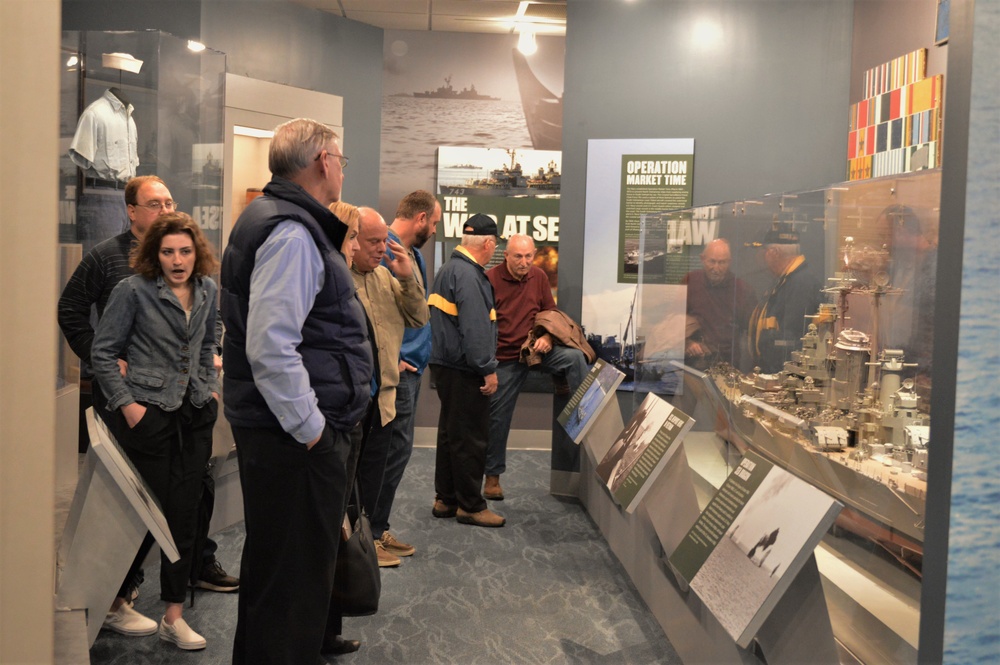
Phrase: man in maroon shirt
(718, 309)
(521, 291)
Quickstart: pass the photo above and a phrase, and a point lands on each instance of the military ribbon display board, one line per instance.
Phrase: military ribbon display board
(897, 127)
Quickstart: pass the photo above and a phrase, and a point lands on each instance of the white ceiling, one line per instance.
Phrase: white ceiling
(544, 17)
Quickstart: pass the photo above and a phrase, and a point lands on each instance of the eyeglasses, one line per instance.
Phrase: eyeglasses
(341, 158)
(156, 206)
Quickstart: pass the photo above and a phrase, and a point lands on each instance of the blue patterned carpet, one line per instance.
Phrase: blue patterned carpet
(544, 589)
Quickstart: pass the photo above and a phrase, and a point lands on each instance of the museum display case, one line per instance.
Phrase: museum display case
(164, 117)
(803, 333)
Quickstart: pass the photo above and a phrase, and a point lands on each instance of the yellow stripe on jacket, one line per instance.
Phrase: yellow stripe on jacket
(448, 307)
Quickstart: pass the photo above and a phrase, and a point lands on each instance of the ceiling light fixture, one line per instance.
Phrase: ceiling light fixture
(526, 43)
(196, 47)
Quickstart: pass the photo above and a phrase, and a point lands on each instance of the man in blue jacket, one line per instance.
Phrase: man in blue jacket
(463, 365)
(298, 368)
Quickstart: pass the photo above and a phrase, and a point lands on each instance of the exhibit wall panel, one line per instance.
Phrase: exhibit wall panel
(29, 64)
(313, 50)
(762, 87)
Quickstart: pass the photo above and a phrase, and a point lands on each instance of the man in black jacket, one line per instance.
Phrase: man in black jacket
(90, 286)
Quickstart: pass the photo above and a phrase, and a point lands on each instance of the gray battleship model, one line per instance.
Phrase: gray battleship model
(842, 416)
(510, 180)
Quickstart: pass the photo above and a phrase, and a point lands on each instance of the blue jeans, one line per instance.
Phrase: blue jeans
(400, 449)
(510, 376)
(100, 214)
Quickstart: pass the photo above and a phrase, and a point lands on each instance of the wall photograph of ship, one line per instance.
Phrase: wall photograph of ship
(467, 171)
(446, 91)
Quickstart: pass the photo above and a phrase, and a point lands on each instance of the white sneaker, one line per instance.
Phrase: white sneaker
(181, 634)
(127, 621)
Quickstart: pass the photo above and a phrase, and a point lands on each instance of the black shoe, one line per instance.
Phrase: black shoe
(340, 646)
(214, 578)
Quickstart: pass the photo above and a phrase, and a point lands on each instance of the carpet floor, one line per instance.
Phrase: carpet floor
(545, 588)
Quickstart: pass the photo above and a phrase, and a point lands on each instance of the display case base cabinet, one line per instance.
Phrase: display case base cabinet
(634, 541)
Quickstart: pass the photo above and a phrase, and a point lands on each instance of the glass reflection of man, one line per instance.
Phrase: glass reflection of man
(718, 309)
(778, 322)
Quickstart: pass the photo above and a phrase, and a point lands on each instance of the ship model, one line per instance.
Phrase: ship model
(510, 180)
(845, 416)
(446, 91)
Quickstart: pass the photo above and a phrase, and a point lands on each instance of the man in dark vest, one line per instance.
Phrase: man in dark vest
(297, 371)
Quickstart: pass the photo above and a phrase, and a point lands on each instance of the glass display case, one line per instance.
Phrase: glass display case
(138, 103)
(800, 326)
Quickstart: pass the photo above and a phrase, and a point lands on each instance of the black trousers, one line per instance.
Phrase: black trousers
(170, 449)
(371, 466)
(463, 433)
(293, 503)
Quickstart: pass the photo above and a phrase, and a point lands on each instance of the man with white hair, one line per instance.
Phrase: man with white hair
(298, 369)
(463, 365)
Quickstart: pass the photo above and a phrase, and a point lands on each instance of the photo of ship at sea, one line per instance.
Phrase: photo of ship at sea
(414, 126)
(474, 171)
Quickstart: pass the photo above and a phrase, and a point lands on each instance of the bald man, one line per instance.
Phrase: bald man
(718, 308)
(393, 300)
(522, 291)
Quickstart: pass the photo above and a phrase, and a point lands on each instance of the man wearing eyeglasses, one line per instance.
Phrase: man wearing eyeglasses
(298, 369)
(90, 286)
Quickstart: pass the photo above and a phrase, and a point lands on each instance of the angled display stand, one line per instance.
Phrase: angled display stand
(747, 547)
(111, 512)
(641, 539)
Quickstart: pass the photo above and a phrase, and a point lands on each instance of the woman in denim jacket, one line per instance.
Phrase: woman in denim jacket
(153, 358)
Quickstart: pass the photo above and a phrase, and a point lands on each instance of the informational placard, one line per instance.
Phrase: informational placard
(627, 179)
(746, 547)
(642, 449)
(650, 183)
(132, 485)
(518, 188)
(593, 393)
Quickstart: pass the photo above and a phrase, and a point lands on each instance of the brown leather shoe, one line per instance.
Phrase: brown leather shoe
(442, 509)
(385, 559)
(485, 517)
(492, 490)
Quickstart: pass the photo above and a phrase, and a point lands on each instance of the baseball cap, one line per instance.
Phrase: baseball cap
(479, 225)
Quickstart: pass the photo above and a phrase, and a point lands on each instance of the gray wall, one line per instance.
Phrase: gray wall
(275, 41)
(767, 108)
(292, 45)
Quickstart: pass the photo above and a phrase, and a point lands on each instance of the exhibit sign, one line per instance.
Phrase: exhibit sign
(517, 188)
(627, 179)
(590, 398)
(750, 542)
(642, 449)
(133, 486)
(651, 183)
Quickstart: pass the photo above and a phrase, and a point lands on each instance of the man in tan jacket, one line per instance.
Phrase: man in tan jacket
(392, 304)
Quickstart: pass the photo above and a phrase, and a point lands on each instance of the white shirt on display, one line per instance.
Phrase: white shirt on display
(105, 144)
